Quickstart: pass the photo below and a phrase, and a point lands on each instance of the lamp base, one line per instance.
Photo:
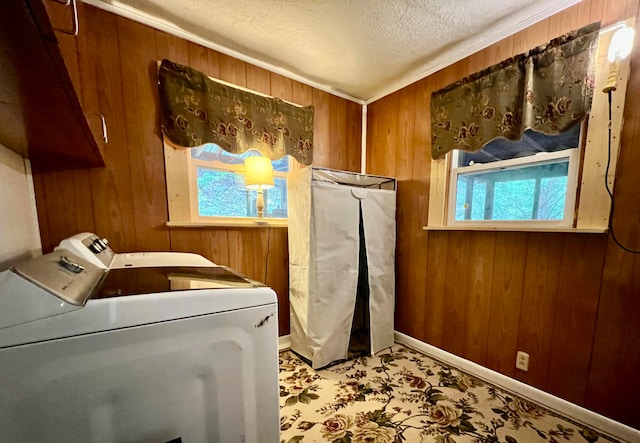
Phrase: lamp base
(260, 203)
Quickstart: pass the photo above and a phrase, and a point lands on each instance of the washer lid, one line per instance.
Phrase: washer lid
(148, 280)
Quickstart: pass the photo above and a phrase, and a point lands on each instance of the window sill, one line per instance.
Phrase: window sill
(516, 229)
(250, 223)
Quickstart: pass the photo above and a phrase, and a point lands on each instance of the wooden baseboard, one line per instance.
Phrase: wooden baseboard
(284, 342)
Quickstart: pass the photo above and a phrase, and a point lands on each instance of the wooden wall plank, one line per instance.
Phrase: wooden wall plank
(232, 70)
(198, 57)
(215, 244)
(111, 186)
(500, 51)
(436, 284)
(478, 304)
(321, 129)
(575, 315)
(278, 274)
(473, 63)
(62, 188)
(413, 315)
(389, 138)
(139, 67)
(615, 10)
(455, 292)
(172, 48)
(281, 87)
(187, 240)
(40, 191)
(531, 37)
(405, 133)
(353, 142)
(260, 239)
(617, 336)
(506, 300)
(258, 79)
(448, 75)
(374, 125)
(338, 127)
(569, 19)
(419, 202)
(238, 241)
(301, 94)
(383, 135)
(214, 64)
(542, 273)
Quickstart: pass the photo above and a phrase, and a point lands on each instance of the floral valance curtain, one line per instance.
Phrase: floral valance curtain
(196, 110)
(548, 89)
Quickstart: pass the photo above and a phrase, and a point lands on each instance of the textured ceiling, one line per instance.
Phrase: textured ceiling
(362, 48)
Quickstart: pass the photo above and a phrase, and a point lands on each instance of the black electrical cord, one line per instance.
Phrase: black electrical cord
(606, 185)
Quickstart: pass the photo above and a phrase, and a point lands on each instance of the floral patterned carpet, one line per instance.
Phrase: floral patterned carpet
(400, 395)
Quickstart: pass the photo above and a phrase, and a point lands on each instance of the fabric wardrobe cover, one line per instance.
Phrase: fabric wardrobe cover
(324, 242)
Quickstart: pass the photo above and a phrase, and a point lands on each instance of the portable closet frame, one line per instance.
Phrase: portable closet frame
(329, 212)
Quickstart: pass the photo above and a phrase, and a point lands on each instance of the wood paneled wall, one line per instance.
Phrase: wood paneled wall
(572, 301)
(127, 200)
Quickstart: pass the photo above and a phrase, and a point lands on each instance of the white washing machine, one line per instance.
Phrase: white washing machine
(164, 353)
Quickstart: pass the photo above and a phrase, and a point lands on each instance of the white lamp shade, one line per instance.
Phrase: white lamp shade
(258, 173)
(621, 44)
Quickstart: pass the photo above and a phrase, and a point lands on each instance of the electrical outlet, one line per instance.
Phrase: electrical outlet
(522, 361)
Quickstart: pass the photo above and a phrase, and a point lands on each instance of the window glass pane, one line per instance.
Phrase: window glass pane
(478, 200)
(461, 191)
(513, 200)
(553, 193)
(534, 192)
(531, 143)
(281, 165)
(275, 199)
(222, 194)
(213, 152)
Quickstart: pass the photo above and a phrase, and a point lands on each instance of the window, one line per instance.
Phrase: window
(532, 181)
(217, 185)
(494, 198)
(493, 180)
(205, 185)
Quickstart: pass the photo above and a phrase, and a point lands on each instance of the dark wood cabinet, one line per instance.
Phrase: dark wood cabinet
(48, 99)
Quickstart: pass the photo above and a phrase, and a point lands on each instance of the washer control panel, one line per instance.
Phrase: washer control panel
(63, 274)
(90, 247)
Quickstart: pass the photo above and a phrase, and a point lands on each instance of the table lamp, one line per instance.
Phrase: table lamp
(258, 175)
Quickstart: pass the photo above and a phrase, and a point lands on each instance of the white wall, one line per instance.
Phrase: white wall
(19, 233)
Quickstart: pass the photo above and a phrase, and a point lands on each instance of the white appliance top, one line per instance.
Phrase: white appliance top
(148, 259)
(97, 251)
(49, 298)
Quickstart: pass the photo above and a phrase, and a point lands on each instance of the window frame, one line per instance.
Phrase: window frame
(573, 155)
